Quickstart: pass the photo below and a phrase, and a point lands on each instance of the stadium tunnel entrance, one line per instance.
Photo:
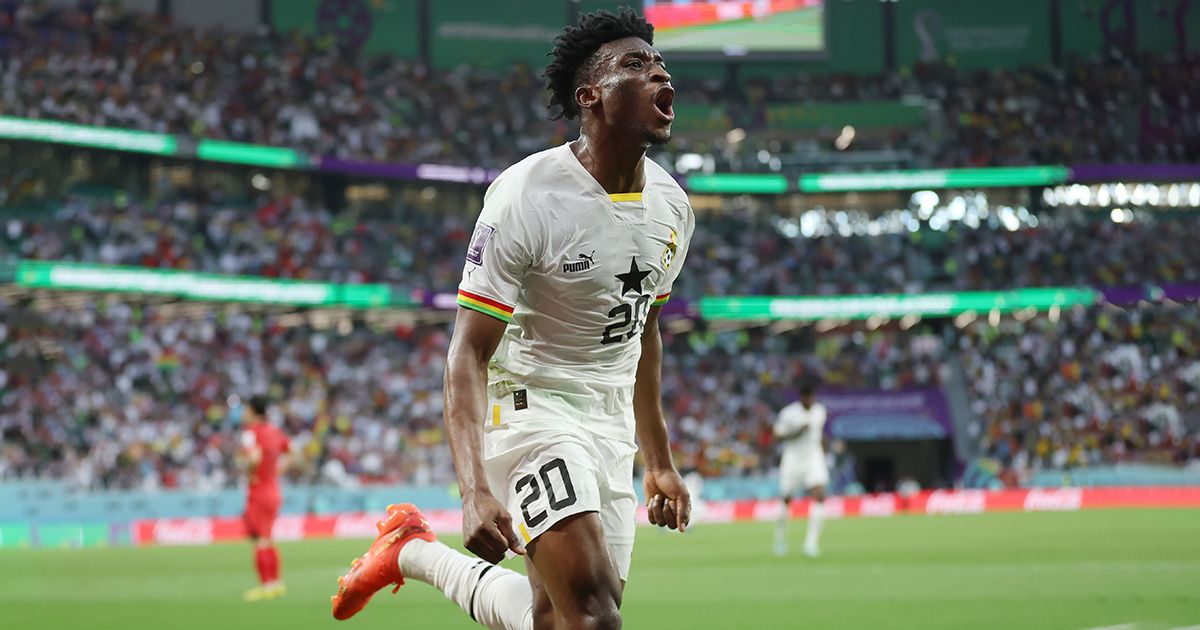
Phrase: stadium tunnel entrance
(890, 465)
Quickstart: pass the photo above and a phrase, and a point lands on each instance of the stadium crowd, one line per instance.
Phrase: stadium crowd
(748, 254)
(101, 66)
(116, 395)
(1100, 386)
(126, 396)
(122, 396)
(722, 391)
(278, 238)
(135, 396)
(733, 252)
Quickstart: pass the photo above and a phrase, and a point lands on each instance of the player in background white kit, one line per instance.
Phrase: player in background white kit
(803, 467)
(555, 364)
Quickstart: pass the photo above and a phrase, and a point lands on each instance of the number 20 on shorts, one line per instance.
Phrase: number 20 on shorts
(559, 498)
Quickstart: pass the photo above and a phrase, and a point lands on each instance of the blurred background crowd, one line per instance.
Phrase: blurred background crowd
(113, 394)
(102, 66)
(736, 250)
(118, 396)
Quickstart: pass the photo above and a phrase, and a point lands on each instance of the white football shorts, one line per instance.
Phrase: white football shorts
(544, 467)
(796, 477)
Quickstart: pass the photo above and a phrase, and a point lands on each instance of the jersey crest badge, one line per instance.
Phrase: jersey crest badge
(668, 255)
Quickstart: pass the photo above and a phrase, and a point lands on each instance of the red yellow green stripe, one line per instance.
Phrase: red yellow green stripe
(662, 299)
(485, 305)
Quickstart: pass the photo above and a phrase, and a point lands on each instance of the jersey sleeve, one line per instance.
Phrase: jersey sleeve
(680, 242)
(782, 424)
(498, 258)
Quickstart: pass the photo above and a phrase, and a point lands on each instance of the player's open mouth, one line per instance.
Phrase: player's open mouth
(662, 102)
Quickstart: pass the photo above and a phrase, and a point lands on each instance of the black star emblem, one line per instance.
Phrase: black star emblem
(632, 279)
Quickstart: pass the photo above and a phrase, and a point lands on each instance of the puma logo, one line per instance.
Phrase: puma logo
(584, 263)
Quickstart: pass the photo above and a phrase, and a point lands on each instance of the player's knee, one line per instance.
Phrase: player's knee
(600, 612)
(597, 608)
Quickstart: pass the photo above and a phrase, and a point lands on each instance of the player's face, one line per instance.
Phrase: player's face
(635, 89)
(807, 400)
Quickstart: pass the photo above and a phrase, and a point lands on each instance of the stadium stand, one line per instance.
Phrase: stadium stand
(134, 71)
(1093, 386)
(291, 237)
(1098, 386)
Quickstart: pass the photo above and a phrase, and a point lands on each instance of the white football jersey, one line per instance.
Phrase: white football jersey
(806, 449)
(574, 271)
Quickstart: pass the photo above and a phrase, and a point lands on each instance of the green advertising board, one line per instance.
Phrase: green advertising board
(738, 183)
(973, 34)
(1085, 33)
(17, 536)
(495, 33)
(372, 26)
(86, 136)
(201, 286)
(249, 154)
(813, 308)
(1091, 27)
(700, 117)
(864, 115)
(935, 178)
(73, 536)
(1167, 26)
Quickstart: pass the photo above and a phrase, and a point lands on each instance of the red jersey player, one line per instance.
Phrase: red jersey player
(262, 447)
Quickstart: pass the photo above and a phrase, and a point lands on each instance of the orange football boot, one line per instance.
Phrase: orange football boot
(380, 566)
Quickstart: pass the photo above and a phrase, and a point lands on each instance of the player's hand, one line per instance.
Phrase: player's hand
(668, 503)
(488, 528)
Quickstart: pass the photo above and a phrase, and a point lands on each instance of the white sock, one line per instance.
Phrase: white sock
(781, 524)
(495, 597)
(816, 516)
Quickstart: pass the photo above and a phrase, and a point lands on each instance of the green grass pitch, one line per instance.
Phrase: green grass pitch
(1028, 571)
(799, 30)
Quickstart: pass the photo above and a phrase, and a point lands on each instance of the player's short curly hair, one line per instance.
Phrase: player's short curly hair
(575, 48)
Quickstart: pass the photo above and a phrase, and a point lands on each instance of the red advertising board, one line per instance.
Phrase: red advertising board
(200, 531)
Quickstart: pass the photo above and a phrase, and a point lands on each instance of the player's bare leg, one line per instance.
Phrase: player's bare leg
(816, 517)
(576, 582)
(544, 617)
(781, 526)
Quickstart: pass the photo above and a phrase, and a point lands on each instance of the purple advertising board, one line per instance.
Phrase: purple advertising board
(1126, 295)
(1180, 292)
(917, 413)
(405, 170)
(1134, 172)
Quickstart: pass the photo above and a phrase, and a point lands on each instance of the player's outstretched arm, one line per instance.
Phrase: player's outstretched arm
(667, 500)
(487, 526)
(785, 435)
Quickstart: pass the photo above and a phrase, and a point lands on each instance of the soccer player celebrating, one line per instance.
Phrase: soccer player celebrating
(555, 362)
(799, 428)
(262, 447)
